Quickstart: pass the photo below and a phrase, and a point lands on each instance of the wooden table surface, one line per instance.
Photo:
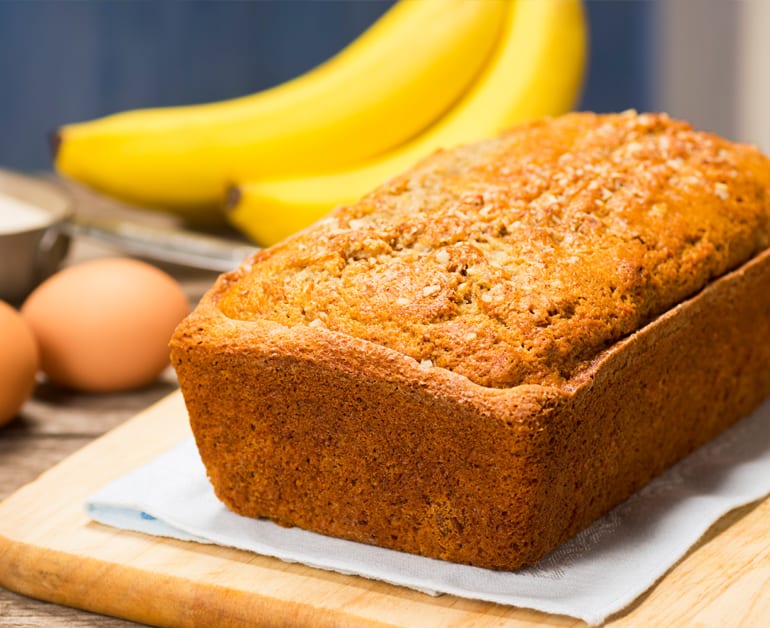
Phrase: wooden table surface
(55, 423)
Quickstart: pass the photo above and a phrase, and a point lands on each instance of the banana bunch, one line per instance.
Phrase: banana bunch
(397, 78)
(536, 70)
(428, 74)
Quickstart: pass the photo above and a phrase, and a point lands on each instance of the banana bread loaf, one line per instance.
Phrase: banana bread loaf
(487, 353)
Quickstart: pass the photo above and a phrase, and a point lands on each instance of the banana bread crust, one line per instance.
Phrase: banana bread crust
(517, 259)
(491, 449)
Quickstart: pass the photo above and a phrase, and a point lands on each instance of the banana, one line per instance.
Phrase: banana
(398, 77)
(537, 70)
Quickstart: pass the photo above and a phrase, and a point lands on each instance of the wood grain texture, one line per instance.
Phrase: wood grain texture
(50, 550)
(56, 423)
(53, 425)
(18, 611)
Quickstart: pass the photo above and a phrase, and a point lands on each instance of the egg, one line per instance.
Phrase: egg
(18, 362)
(103, 325)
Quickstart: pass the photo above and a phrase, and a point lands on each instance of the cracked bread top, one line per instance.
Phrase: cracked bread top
(516, 260)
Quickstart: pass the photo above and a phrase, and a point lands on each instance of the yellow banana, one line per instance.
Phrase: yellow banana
(536, 70)
(384, 88)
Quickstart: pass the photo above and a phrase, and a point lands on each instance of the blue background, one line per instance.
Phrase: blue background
(69, 60)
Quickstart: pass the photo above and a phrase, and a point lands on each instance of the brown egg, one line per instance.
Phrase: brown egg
(18, 362)
(104, 325)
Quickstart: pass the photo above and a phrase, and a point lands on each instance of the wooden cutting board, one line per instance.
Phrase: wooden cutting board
(49, 549)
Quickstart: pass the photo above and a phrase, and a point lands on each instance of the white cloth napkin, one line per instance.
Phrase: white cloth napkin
(598, 573)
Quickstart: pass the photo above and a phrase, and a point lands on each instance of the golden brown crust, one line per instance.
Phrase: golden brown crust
(517, 259)
(319, 426)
